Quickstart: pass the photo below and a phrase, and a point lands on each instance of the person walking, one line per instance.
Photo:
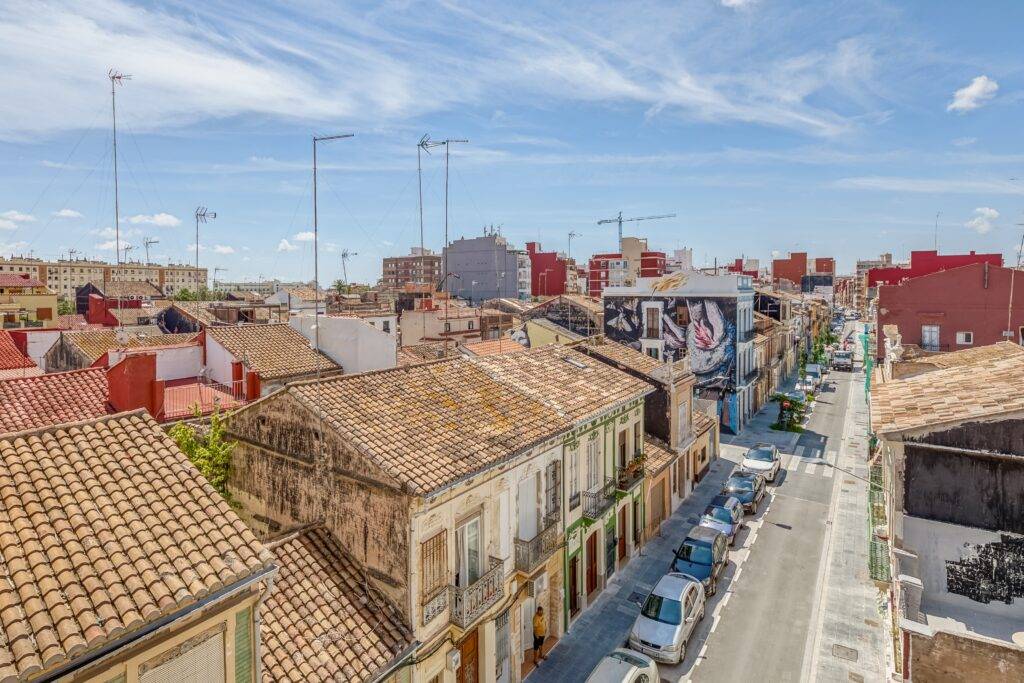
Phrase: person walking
(540, 631)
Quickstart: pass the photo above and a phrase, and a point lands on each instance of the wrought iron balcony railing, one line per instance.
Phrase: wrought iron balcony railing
(469, 603)
(598, 499)
(626, 477)
(529, 554)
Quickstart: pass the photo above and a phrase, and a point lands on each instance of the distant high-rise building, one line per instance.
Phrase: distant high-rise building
(487, 267)
(420, 266)
(64, 276)
(623, 269)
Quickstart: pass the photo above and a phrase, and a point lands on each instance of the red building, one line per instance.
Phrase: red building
(925, 263)
(824, 265)
(792, 268)
(956, 308)
(548, 271)
(737, 267)
(625, 267)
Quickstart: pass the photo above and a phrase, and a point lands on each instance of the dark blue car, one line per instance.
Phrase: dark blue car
(746, 487)
(703, 555)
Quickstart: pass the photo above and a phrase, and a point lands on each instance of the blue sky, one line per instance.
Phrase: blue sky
(835, 128)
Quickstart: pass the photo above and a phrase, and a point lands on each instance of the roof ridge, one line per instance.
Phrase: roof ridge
(9, 436)
(290, 534)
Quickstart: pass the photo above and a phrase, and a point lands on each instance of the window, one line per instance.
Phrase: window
(652, 319)
(470, 325)
(930, 337)
(593, 467)
(469, 551)
(199, 661)
(965, 338)
(638, 435)
(434, 561)
(653, 352)
(553, 482)
(574, 472)
(386, 326)
(447, 327)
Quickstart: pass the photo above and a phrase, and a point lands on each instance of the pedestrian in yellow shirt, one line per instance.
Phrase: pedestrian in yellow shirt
(540, 631)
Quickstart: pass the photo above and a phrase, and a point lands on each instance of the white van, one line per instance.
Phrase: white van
(625, 666)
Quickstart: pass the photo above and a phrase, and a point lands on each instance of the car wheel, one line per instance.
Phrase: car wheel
(682, 653)
(701, 617)
(713, 589)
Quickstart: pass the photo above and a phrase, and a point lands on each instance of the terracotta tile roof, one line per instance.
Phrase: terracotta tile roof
(20, 373)
(701, 422)
(105, 527)
(130, 316)
(623, 355)
(274, 351)
(304, 293)
(589, 304)
(197, 310)
(972, 355)
(490, 347)
(19, 280)
(94, 343)
(556, 328)
(72, 321)
(658, 454)
(323, 621)
(121, 288)
(431, 424)
(10, 357)
(983, 389)
(425, 352)
(54, 398)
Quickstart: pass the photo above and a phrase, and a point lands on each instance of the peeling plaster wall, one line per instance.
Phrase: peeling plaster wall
(955, 659)
(277, 466)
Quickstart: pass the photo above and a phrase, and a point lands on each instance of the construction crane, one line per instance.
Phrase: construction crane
(217, 270)
(345, 256)
(620, 220)
(148, 242)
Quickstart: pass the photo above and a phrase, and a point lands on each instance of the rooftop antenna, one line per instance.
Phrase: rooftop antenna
(937, 214)
(216, 270)
(620, 220)
(345, 256)
(126, 249)
(202, 216)
(150, 241)
(116, 78)
(426, 144)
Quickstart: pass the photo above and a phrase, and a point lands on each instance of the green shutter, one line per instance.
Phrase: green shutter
(243, 646)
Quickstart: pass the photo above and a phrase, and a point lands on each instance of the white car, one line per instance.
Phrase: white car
(763, 459)
(668, 618)
(625, 666)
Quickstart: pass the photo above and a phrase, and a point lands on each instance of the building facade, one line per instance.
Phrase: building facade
(486, 267)
(25, 301)
(552, 273)
(64, 276)
(633, 261)
(420, 266)
(708, 318)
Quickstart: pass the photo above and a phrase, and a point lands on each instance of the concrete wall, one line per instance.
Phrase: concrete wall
(218, 361)
(955, 659)
(954, 557)
(171, 362)
(37, 343)
(486, 260)
(350, 342)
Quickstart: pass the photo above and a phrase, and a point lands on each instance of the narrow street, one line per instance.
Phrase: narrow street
(770, 618)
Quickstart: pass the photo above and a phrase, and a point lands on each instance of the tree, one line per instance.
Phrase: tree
(340, 287)
(66, 307)
(209, 452)
(185, 294)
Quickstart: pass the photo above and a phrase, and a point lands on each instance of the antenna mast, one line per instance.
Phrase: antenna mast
(345, 256)
(116, 78)
(202, 216)
(148, 242)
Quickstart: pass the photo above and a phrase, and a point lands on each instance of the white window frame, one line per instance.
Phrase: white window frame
(593, 463)
(965, 338)
(574, 472)
(462, 551)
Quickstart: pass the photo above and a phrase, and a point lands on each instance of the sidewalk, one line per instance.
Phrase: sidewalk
(850, 638)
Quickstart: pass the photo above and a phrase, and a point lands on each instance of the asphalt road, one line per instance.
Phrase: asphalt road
(757, 626)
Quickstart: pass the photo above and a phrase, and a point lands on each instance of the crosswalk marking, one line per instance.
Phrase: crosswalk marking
(829, 471)
(812, 468)
(800, 451)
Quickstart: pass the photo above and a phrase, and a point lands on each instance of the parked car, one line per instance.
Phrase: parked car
(843, 360)
(703, 555)
(668, 617)
(725, 514)
(747, 487)
(625, 666)
(763, 459)
(806, 387)
(813, 372)
(796, 395)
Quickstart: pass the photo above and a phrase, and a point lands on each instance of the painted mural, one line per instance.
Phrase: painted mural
(702, 328)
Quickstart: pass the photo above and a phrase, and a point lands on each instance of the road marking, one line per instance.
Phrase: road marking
(812, 468)
(829, 471)
(800, 451)
(786, 459)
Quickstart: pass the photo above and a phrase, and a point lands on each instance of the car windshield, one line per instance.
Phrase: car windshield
(665, 610)
(762, 454)
(721, 514)
(698, 553)
(739, 485)
(629, 659)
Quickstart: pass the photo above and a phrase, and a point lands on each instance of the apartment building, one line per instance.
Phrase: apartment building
(420, 266)
(25, 301)
(486, 267)
(459, 492)
(64, 276)
(633, 261)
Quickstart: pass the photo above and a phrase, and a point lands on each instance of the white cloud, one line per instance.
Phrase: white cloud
(109, 245)
(67, 213)
(306, 236)
(776, 253)
(964, 142)
(285, 245)
(17, 216)
(12, 247)
(162, 220)
(737, 3)
(981, 223)
(927, 185)
(111, 233)
(223, 249)
(7, 225)
(970, 97)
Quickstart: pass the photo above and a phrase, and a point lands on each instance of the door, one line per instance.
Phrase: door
(638, 524)
(658, 503)
(468, 548)
(592, 563)
(622, 448)
(574, 585)
(528, 500)
(502, 664)
(469, 671)
(622, 533)
(930, 337)
(528, 608)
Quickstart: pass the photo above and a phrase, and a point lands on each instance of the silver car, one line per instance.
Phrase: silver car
(668, 618)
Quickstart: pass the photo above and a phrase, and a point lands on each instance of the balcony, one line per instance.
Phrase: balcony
(749, 377)
(530, 554)
(598, 499)
(626, 477)
(745, 335)
(186, 398)
(468, 604)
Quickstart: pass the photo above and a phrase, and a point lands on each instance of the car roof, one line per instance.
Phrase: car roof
(611, 670)
(672, 585)
(723, 501)
(702, 534)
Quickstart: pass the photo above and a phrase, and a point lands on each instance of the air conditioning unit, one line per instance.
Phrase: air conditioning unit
(538, 585)
(454, 660)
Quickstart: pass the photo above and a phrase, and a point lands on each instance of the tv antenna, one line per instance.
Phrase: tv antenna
(203, 215)
(148, 242)
(216, 270)
(620, 220)
(345, 256)
(426, 144)
(116, 78)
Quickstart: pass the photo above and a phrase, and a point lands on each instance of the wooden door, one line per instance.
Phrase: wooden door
(622, 533)
(574, 585)
(592, 563)
(469, 672)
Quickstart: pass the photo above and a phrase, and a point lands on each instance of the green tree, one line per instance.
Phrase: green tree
(340, 287)
(210, 452)
(66, 307)
(185, 294)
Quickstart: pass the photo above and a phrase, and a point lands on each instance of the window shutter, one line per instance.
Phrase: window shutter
(243, 646)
